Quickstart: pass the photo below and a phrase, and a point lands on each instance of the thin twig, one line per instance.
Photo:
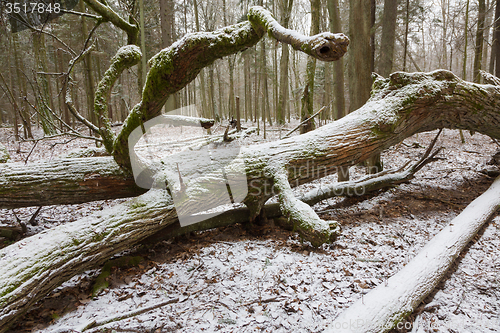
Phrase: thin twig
(99, 18)
(305, 121)
(127, 314)
(44, 32)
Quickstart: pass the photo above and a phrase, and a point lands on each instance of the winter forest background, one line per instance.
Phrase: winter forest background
(269, 79)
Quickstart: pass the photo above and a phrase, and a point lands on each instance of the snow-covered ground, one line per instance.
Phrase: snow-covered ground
(239, 279)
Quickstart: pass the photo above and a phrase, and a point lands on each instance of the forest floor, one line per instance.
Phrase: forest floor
(237, 279)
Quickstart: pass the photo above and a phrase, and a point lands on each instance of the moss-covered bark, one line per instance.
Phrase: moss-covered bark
(126, 57)
(108, 14)
(31, 269)
(64, 181)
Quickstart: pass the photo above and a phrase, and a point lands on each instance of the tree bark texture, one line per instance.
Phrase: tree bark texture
(388, 37)
(478, 52)
(64, 181)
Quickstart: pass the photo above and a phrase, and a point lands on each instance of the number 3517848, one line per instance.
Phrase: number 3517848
(32, 7)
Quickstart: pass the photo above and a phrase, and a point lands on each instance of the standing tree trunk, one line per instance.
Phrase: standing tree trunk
(373, 163)
(360, 71)
(205, 108)
(407, 25)
(466, 39)
(388, 37)
(248, 86)
(143, 65)
(478, 54)
(167, 19)
(360, 75)
(89, 74)
(487, 25)
(495, 49)
(21, 83)
(45, 91)
(338, 79)
(307, 108)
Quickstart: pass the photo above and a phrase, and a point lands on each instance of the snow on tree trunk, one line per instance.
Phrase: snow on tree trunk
(34, 266)
(400, 106)
(64, 181)
(391, 302)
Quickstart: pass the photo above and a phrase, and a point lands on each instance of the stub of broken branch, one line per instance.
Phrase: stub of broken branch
(325, 46)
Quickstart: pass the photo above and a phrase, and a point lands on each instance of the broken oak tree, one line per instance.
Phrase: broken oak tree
(51, 258)
(400, 106)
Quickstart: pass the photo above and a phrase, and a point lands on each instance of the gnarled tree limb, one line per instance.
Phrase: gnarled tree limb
(108, 14)
(176, 66)
(126, 57)
(325, 46)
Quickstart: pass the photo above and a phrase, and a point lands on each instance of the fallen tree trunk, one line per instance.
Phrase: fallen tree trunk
(32, 268)
(391, 302)
(64, 181)
(36, 265)
(400, 106)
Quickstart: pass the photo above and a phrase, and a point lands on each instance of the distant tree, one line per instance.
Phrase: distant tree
(388, 37)
(360, 63)
(307, 108)
(478, 54)
(286, 12)
(495, 49)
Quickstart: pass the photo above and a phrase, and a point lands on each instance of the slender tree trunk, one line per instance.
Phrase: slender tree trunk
(478, 54)
(444, 18)
(44, 93)
(360, 79)
(388, 37)
(88, 69)
(207, 111)
(307, 108)
(466, 39)
(487, 29)
(407, 24)
(167, 20)
(374, 163)
(21, 81)
(248, 86)
(286, 11)
(495, 49)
